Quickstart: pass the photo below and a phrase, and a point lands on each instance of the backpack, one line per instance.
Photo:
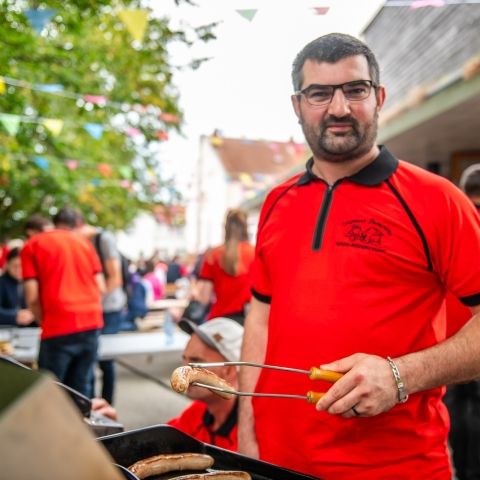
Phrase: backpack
(124, 264)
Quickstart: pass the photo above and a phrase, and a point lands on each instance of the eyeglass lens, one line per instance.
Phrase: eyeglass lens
(322, 94)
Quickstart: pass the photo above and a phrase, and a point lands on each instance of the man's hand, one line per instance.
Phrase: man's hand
(101, 406)
(368, 385)
(24, 317)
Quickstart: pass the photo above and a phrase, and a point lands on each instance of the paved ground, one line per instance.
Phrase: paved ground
(142, 402)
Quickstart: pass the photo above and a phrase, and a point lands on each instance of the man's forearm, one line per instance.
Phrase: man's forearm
(253, 350)
(455, 360)
(36, 309)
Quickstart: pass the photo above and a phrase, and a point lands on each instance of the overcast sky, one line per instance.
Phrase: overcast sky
(244, 90)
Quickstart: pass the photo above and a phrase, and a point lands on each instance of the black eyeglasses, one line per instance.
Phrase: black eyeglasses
(318, 95)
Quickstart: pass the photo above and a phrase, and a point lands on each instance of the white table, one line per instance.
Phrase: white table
(26, 342)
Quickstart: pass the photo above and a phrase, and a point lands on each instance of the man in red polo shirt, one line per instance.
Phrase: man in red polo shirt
(63, 284)
(210, 418)
(353, 260)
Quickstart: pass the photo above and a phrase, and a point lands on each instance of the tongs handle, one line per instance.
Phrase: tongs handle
(327, 375)
(314, 397)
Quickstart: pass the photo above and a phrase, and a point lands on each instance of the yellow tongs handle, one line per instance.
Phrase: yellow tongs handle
(327, 375)
(314, 397)
(319, 374)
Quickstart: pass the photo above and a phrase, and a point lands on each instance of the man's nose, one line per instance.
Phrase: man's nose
(339, 105)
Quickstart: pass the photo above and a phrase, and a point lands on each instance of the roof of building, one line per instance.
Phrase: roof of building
(240, 156)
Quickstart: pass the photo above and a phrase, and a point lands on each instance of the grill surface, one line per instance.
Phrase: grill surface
(128, 447)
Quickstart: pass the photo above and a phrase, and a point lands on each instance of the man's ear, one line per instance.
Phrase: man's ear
(296, 105)
(381, 95)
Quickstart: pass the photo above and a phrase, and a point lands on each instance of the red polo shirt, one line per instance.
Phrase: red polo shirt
(362, 266)
(197, 421)
(65, 265)
(232, 292)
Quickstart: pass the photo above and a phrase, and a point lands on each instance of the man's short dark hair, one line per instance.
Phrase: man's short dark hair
(37, 222)
(66, 216)
(13, 253)
(332, 48)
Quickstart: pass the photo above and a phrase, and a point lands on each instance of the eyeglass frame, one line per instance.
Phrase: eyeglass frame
(372, 84)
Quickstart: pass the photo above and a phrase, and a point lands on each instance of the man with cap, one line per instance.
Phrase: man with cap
(210, 418)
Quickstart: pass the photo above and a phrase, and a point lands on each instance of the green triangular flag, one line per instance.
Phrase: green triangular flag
(247, 14)
(10, 122)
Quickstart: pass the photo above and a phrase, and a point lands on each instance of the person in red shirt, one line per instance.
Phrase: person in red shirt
(353, 259)
(211, 418)
(463, 400)
(63, 285)
(225, 275)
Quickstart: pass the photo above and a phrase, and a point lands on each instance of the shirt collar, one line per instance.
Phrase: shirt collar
(374, 173)
(228, 425)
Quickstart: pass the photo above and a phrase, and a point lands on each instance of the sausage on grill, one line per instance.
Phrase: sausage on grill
(183, 377)
(169, 463)
(218, 475)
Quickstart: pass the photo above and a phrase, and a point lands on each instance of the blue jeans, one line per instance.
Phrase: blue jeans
(112, 321)
(71, 358)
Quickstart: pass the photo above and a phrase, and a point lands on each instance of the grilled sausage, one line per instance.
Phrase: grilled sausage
(218, 475)
(182, 377)
(169, 463)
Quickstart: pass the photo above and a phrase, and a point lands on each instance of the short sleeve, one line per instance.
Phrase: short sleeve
(207, 268)
(108, 246)
(458, 248)
(29, 270)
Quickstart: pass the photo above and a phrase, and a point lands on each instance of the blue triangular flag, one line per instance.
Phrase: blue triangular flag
(49, 87)
(39, 18)
(41, 162)
(94, 129)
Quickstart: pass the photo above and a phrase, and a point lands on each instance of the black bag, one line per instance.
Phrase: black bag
(196, 312)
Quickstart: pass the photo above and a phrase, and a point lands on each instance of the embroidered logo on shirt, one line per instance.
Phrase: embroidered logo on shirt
(365, 233)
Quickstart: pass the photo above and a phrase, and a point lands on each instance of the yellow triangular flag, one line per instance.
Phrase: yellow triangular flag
(135, 21)
(3, 89)
(54, 125)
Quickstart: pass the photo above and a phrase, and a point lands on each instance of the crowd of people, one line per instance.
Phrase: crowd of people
(364, 265)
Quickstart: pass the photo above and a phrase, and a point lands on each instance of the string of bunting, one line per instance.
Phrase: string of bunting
(98, 100)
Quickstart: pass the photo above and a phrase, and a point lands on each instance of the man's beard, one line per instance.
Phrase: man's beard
(337, 148)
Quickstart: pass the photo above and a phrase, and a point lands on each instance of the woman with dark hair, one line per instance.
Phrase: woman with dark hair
(225, 275)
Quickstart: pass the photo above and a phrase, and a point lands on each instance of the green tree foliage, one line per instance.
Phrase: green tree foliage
(88, 50)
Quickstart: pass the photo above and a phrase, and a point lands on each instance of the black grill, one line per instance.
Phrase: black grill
(128, 447)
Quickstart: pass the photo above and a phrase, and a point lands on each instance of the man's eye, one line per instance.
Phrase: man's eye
(319, 94)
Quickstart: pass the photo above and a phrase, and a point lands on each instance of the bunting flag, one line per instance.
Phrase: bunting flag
(71, 164)
(49, 87)
(95, 130)
(247, 14)
(135, 21)
(41, 162)
(5, 164)
(169, 117)
(105, 169)
(427, 3)
(321, 10)
(125, 172)
(54, 125)
(3, 88)
(162, 135)
(216, 141)
(10, 122)
(96, 99)
(125, 183)
(132, 131)
(39, 18)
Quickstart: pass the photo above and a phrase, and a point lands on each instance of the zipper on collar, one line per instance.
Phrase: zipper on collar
(322, 218)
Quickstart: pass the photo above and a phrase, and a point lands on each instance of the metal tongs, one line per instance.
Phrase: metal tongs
(314, 374)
